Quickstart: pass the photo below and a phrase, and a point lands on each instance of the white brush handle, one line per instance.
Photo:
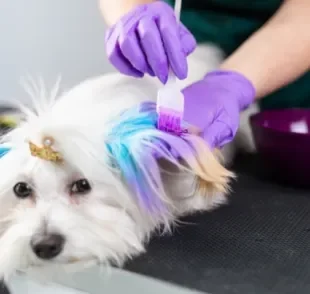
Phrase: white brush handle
(170, 95)
(177, 9)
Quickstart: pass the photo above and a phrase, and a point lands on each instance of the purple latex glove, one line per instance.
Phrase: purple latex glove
(148, 40)
(214, 105)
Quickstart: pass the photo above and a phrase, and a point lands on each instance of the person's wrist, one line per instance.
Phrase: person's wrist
(234, 82)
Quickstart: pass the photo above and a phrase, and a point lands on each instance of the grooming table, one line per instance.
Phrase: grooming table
(260, 243)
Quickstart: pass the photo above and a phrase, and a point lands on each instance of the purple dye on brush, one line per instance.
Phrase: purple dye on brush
(170, 121)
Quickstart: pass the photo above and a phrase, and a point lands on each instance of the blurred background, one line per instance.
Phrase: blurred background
(48, 38)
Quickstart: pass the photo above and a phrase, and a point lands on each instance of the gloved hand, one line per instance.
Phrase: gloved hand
(214, 105)
(149, 40)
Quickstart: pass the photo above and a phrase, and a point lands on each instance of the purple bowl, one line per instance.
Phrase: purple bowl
(282, 139)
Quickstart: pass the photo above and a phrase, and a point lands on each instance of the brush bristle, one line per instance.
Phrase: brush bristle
(169, 120)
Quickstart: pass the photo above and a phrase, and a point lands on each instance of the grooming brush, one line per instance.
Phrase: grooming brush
(170, 99)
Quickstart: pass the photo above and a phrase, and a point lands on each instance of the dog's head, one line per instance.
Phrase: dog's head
(59, 213)
(95, 191)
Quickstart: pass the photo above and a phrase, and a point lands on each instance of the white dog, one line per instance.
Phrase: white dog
(82, 210)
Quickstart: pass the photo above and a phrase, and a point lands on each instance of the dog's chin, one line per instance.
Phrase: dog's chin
(19, 260)
(49, 271)
(55, 269)
(27, 263)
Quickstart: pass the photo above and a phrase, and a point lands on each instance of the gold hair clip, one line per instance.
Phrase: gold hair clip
(46, 152)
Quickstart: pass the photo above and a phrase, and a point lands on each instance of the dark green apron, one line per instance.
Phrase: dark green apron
(228, 23)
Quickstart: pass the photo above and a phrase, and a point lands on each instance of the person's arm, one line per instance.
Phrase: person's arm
(279, 52)
(113, 10)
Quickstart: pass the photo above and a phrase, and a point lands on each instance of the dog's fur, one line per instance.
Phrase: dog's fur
(106, 225)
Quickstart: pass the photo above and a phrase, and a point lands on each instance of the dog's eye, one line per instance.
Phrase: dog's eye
(80, 187)
(22, 190)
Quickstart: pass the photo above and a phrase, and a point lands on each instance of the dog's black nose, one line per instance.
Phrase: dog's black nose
(47, 246)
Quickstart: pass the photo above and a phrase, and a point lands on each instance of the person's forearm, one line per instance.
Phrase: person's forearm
(113, 10)
(278, 53)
